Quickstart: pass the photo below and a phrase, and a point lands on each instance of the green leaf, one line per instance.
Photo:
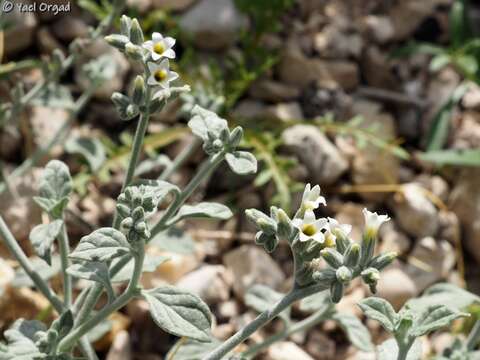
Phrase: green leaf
(150, 264)
(204, 210)
(21, 340)
(55, 188)
(379, 309)
(357, 333)
(191, 349)
(467, 64)
(179, 312)
(42, 238)
(316, 302)
(388, 350)
(439, 62)
(262, 298)
(63, 324)
(468, 157)
(100, 69)
(103, 244)
(157, 189)
(433, 318)
(205, 121)
(174, 240)
(54, 96)
(90, 148)
(418, 48)
(459, 29)
(242, 162)
(93, 271)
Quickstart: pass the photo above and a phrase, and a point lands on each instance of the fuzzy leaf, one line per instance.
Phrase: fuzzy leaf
(205, 121)
(388, 350)
(456, 157)
(63, 324)
(90, 148)
(42, 238)
(378, 309)
(179, 312)
(54, 96)
(174, 240)
(242, 162)
(204, 210)
(93, 271)
(433, 318)
(21, 340)
(356, 332)
(192, 350)
(261, 298)
(316, 302)
(150, 264)
(103, 244)
(158, 189)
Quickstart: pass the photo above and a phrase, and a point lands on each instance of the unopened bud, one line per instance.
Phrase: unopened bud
(126, 223)
(139, 91)
(138, 213)
(332, 257)
(235, 137)
(370, 277)
(123, 210)
(117, 41)
(134, 51)
(343, 274)
(324, 276)
(136, 33)
(285, 228)
(352, 255)
(336, 291)
(381, 261)
(125, 25)
(120, 100)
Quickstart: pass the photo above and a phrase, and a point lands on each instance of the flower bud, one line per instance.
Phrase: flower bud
(58, 58)
(343, 274)
(138, 213)
(381, 261)
(336, 291)
(123, 210)
(285, 228)
(139, 91)
(332, 257)
(341, 242)
(235, 137)
(131, 111)
(352, 255)
(117, 41)
(262, 221)
(125, 25)
(368, 248)
(136, 33)
(140, 227)
(120, 100)
(325, 275)
(370, 277)
(126, 224)
(134, 51)
(269, 242)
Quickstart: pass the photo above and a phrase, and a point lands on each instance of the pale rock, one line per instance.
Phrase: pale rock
(441, 341)
(449, 227)
(322, 159)
(249, 109)
(21, 34)
(320, 346)
(393, 239)
(376, 69)
(273, 91)
(21, 213)
(213, 24)
(120, 323)
(351, 213)
(211, 282)
(284, 111)
(174, 5)
(298, 70)
(23, 302)
(228, 309)
(142, 6)
(121, 348)
(224, 331)
(467, 134)
(287, 350)
(68, 28)
(333, 43)
(45, 122)
(380, 28)
(396, 286)
(471, 100)
(464, 201)
(435, 184)
(6, 276)
(252, 265)
(414, 212)
(121, 67)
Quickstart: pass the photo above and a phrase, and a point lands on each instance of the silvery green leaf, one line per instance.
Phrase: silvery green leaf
(158, 189)
(434, 318)
(103, 244)
(446, 294)
(46, 272)
(204, 210)
(357, 333)
(55, 188)
(242, 162)
(63, 324)
(378, 309)
(316, 302)
(261, 298)
(205, 121)
(174, 240)
(42, 238)
(192, 350)
(90, 148)
(20, 338)
(150, 264)
(179, 312)
(101, 68)
(93, 271)
(54, 96)
(388, 350)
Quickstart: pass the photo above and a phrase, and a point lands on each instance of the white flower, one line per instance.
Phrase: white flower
(310, 227)
(160, 74)
(160, 47)
(311, 198)
(338, 229)
(373, 222)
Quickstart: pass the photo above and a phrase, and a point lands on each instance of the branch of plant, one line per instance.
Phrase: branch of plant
(64, 250)
(474, 336)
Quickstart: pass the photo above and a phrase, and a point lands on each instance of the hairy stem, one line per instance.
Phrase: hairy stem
(474, 336)
(263, 319)
(64, 249)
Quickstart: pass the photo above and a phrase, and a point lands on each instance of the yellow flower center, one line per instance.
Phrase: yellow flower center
(159, 48)
(160, 75)
(329, 240)
(309, 229)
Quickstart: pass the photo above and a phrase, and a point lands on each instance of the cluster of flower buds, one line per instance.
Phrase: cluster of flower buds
(133, 205)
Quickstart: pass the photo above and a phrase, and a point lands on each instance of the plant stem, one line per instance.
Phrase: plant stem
(136, 149)
(64, 249)
(262, 319)
(132, 291)
(474, 336)
(180, 159)
(304, 324)
(17, 251)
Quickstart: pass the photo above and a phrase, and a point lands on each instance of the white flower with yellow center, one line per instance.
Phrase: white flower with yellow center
(311, 198)
(160, 74)
(311, 228)
(373, 222)
(335, 229)
(160, 47)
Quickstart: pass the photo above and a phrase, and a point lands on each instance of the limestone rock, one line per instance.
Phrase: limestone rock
(274, 91)
(121, 348)
(396, 286)
(287, 350)
(20, 35)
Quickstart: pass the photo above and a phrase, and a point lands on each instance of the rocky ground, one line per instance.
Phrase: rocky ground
(334, 57)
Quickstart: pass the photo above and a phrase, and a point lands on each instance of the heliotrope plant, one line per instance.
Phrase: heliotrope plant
(326, 259)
